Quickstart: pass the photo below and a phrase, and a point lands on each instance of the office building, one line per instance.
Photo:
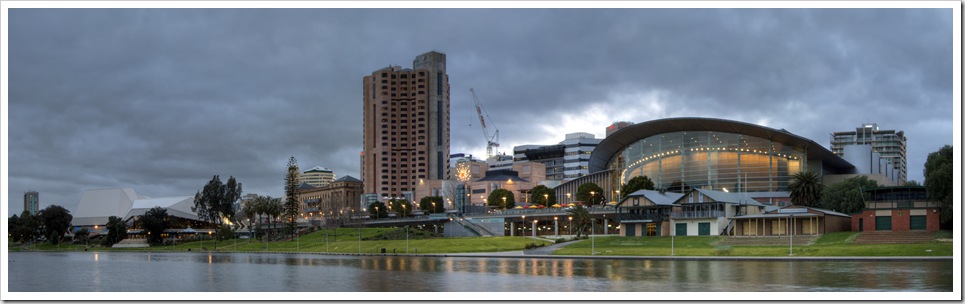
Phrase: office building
(564, 161)
(317, 177)
(616, 126)
(874, 151)
(405, 127)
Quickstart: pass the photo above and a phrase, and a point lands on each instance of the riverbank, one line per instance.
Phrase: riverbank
(348, 242)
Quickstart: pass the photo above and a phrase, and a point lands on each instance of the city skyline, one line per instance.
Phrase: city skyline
(160, 100)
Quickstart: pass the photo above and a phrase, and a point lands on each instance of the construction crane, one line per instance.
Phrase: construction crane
(491, 141)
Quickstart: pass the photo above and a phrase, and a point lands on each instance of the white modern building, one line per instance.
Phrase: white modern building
(874, 151)
(97, 206)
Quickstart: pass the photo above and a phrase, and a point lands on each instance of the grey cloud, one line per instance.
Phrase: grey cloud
(161, 99)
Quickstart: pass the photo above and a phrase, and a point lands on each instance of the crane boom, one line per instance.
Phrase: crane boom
(491, 141)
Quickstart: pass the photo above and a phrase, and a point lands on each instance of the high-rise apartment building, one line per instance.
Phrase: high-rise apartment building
(31, 202)
(886, 146)
(406, 126)
(317, 177)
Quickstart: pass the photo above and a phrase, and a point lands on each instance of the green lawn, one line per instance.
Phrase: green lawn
(341, 240)
(834, 244)
(346, 240)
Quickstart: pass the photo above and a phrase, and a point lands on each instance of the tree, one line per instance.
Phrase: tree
(24, 228)
(154, 221)
(635, 184)
(847, 196)
(378, 210)
(913, 183)
(432, 204)
(82, 235)
(215, 202)
(496, 198)
(590, 193)
(274, 210)
(55, 220)
(806, 189)
(402, 207)
(291, 196)
(581, 219)
(249, 210)
(939, 182)
(543, 195)
(116, 231)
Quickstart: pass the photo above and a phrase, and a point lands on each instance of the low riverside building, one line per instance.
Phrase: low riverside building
(698, 212)
(796, 220)
(903, 208)
(646, 213)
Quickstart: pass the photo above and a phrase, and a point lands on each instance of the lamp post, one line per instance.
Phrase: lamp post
(546, 199)
(592, 196)
(534, 227)
(524, 226)
(504, 202)
(556, 226)
(360, 231)
(570, 224)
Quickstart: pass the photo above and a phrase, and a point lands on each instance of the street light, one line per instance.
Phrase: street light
(534, 227)
(556, 226)
(524, 225)
(571, 224)
(592, 195)
(504, 202)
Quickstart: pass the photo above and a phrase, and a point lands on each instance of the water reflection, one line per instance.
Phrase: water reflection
(117, 271)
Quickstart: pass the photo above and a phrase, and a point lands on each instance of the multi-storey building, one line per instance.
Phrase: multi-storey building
(406, 126)
(616, 126)
(887, 153)
(338, 199)
(317, 176)
(564, 161)
(31, 202)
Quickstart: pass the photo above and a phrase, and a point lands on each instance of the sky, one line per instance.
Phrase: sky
(161, 100)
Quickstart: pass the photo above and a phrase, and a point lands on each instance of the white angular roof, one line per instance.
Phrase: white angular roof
(179, 206)
(96, 206)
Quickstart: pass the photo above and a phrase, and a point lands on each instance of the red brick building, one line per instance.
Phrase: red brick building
(904, 208)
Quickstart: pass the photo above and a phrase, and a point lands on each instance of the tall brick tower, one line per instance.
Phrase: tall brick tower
(406, 126)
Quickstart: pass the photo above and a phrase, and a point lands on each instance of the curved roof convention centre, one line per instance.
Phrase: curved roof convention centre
(612, 145)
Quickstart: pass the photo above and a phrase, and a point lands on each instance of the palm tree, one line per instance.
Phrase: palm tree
(806, 188)
(581, 219)
(273, 209)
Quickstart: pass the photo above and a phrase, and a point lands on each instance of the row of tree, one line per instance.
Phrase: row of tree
(50, 223)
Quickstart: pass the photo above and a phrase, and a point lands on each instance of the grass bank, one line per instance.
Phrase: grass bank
(373, 240)
(833, 244)
(341, 240)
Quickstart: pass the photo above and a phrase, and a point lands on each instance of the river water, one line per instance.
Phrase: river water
(260, 272)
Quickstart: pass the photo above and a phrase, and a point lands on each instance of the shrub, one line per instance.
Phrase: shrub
(722, 250)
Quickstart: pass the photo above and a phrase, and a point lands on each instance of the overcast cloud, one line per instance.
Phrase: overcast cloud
(160, 100)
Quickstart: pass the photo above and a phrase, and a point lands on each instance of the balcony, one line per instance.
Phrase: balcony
(697, 214)
(641, 217)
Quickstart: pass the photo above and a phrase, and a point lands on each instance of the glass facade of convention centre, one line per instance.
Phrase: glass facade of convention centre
(680, 161)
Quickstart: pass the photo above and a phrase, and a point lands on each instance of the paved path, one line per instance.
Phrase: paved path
(546, 250)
